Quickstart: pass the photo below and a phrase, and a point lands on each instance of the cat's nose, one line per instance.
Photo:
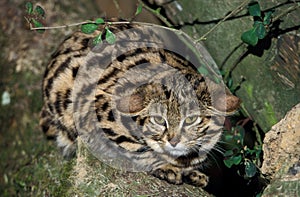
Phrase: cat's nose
(174, 141)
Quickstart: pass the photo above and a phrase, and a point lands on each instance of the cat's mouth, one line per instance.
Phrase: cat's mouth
(176, 151)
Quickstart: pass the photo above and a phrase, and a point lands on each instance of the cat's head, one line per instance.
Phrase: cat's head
(176, 116)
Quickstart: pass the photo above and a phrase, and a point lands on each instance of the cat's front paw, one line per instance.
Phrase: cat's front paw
(169, 173)
(196, 178)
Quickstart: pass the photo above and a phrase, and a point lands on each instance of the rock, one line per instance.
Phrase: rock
(282, 156)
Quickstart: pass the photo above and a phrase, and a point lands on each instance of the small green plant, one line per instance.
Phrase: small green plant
(92, 26)
(262, 21)
(239, 154)
(138, 9)
(35, 16)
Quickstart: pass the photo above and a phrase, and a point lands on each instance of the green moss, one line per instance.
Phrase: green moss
(284, 183)
(91, 177)
(270, 114)
(249, 90)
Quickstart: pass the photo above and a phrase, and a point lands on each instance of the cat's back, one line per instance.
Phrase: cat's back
(58, 82)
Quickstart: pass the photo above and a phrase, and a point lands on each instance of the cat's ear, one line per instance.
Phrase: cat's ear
(227, 103)
(131, 104)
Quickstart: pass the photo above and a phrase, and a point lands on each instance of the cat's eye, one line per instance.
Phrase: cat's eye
(191, 120)
(158, 120)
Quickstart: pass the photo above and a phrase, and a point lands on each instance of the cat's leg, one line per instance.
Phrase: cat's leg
(195, 177)
(169, 173)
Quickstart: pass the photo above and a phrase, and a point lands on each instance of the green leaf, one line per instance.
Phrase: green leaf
(254, 9)
(110, 36)
(138, 9)
(268, 18)
(38, 24)
(234, 160)
(99, 21)
(258, 195)
(237, 159)
(250, 169)
(157, 11)
(227, 137)
(250, 37)
(228, 153)
(89, 28)
(29, 7)
(260, 30)
(258, 151)
(223, 73)
(97, 39)
(40, 11)
(202, 70)
(228, 163)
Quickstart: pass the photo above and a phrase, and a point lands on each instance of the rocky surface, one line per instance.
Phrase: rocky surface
(282, 156)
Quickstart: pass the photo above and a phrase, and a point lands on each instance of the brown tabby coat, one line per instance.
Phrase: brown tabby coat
(148, 103)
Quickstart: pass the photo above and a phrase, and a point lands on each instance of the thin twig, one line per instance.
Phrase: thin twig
(60, 26)
(236, 62)
(77, 24)
(162, 18)
(234, 12)
(288, 10)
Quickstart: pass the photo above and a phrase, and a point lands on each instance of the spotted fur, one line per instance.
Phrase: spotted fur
(148, 103)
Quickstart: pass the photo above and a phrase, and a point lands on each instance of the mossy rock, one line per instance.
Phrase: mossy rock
(91, 177)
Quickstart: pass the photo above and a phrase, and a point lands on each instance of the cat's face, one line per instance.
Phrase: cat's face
(174, 115)
(179, 126)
